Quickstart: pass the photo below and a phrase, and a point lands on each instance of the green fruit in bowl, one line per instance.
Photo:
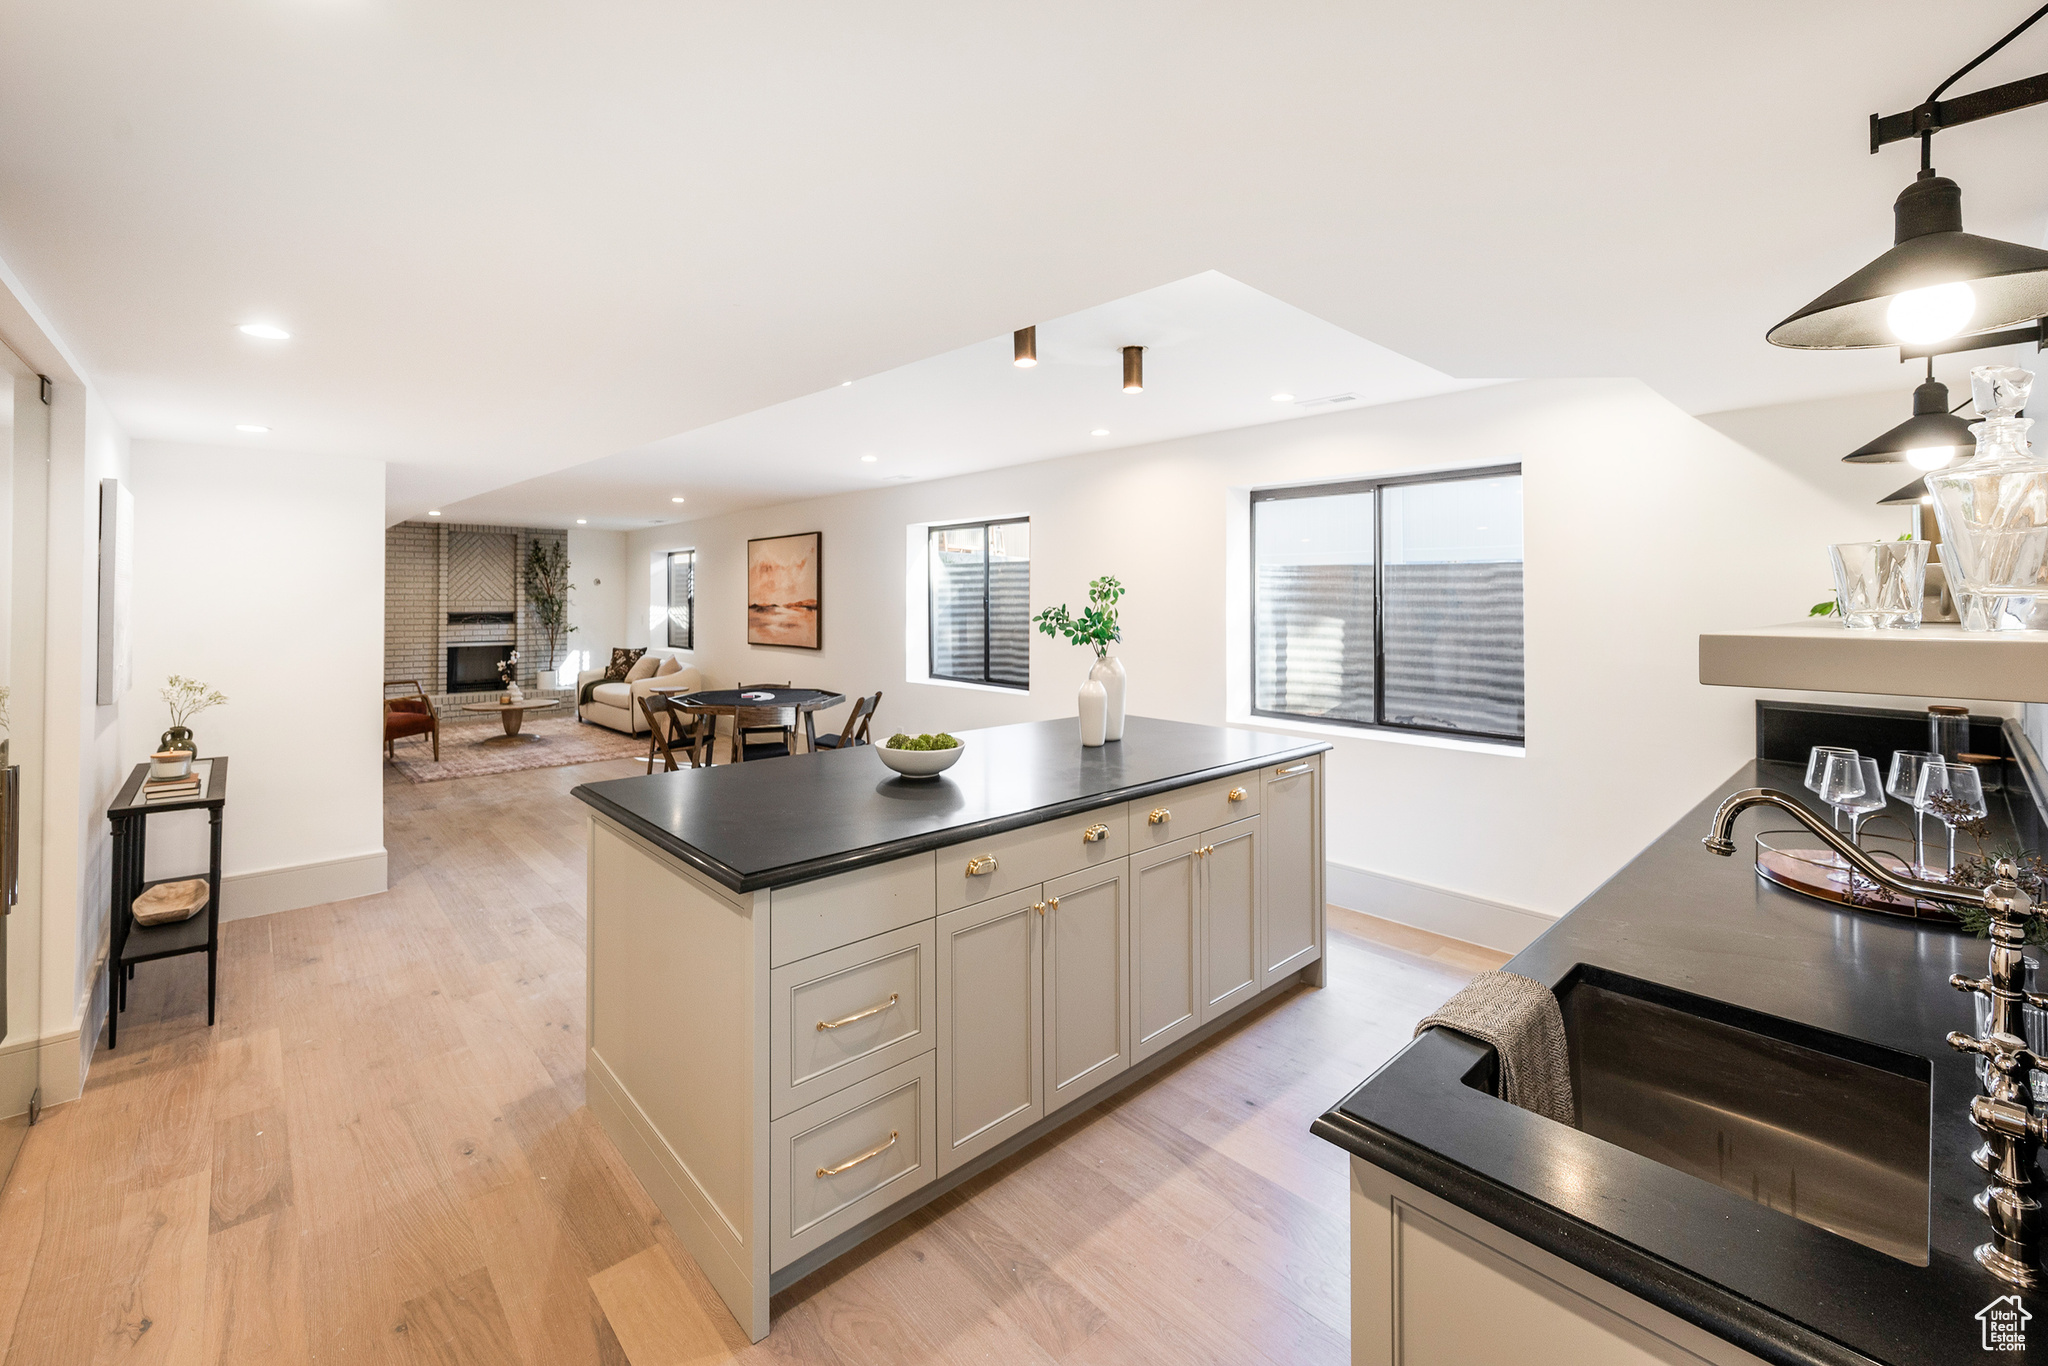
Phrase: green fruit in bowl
(939, 741)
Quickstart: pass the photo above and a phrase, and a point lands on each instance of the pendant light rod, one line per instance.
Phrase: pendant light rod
(1935, 113)
(2035, 332)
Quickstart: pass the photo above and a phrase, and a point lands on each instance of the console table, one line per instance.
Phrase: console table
(133, 943)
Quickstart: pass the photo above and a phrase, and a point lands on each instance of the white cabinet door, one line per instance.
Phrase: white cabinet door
(1230, 916)
(1087, 976)
(1166, 945)
(991, 1023)
(1293, 823)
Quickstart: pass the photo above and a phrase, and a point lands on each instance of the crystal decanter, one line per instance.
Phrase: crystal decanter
(1993, 512)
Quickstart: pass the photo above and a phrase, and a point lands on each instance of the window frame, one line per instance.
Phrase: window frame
(1374, 486)
(931, 613)
(668, 565)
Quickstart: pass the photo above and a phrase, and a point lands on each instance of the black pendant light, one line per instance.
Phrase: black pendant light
(1937, 281)
(1931, 428)
(1915, 492)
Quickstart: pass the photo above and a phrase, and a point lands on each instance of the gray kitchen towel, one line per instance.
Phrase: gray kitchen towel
(1519, 1017)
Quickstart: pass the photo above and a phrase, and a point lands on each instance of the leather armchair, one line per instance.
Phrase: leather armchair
(405, 716)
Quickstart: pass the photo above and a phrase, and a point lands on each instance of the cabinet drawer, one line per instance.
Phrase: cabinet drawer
(1191, 810)
(844, 1015)
(1027, 857)
(812, 917)
(848, 1156)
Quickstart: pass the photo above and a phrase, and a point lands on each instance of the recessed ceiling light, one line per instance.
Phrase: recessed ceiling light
(676, 499)
(267, 331)
(1283, 398)
(867, 460)
(843, 383)
(250, 427)
(1134, 369)
(582, 521)
(435, 513)
(1100, 431)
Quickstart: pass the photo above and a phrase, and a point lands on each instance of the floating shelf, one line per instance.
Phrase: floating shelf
(1934, 661)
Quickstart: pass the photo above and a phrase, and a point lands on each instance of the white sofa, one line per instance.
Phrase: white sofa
(617, 705)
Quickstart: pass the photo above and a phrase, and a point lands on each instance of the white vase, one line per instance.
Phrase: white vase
(1109, 672)
(1094, 712)
(513, 689)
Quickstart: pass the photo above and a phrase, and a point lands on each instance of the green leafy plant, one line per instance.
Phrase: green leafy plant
(1096, 626)
(940, 741)
(547, 591)
(1822, 609)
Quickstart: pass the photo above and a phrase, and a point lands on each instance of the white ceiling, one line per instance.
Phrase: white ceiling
(1217, 353)
(519, 237)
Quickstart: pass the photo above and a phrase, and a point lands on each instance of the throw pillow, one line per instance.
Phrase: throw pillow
(643, 667)
(622, 661)
(671, 665)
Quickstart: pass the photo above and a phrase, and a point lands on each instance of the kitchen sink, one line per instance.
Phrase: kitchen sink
(1828, 1129)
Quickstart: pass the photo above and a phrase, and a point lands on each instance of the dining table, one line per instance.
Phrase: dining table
(807, 702)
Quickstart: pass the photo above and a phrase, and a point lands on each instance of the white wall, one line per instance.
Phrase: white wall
(597, 607)
(263, 576)
(1643, 527)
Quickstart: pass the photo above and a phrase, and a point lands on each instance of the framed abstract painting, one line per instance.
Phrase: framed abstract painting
(783, 583)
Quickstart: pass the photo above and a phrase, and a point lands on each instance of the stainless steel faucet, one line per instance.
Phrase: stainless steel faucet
(2013, 1131)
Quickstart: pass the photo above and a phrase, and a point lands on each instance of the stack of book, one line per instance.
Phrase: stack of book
(171, 789)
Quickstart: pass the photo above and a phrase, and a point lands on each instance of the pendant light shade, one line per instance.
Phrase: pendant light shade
(1134, 369)
(2006, 283)
(1026, 342)
(1915, 492)
(1932, 428)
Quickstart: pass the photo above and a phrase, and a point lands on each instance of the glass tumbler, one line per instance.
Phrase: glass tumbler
(1948, 731)
(1879, 584)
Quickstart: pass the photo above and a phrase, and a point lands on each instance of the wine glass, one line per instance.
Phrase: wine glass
(1816, 766)
(1953, 794)
(1905, 785)
(1841, 787)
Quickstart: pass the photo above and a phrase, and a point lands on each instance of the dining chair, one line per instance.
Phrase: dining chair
(669, 727)
(763, 721)
(855, 732)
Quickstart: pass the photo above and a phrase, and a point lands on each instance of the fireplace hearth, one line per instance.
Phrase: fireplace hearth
(474, 668)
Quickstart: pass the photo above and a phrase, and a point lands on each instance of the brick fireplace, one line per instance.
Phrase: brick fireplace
(455, 605)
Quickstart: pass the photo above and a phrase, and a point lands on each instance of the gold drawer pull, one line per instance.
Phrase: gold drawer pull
(859, 1014)
(977, 867)
(1160, 816)
(1291, 769)
(1095, 834)
(1238, 794)
(850, 1163)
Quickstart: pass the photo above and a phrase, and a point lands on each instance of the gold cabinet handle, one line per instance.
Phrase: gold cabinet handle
(850, 1163)
(1095, 834)
(981, 866)
(1238, 794)
(1289, 770)
(1205, 851)
(1160, 816)
(1051, 903)
(1038, 906)
(858, 1014)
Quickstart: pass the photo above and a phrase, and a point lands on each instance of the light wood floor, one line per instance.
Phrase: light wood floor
(380, 1155)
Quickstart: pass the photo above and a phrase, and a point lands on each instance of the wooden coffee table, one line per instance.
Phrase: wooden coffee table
(514, 713)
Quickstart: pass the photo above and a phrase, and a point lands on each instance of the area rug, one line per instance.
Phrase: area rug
(475, 748)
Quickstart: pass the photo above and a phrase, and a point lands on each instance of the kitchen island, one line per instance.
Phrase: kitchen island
(1773, 1159)
(821, 995)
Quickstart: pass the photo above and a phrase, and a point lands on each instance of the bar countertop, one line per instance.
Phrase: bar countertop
(1787, 1291)
(775, 822)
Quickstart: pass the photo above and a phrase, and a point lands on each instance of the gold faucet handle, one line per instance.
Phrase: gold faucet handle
(1980, 985)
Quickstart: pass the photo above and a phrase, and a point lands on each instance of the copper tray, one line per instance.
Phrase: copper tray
(1822, 875)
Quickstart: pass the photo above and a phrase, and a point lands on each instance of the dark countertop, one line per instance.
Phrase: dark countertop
(1775, 1286)
(780, 821)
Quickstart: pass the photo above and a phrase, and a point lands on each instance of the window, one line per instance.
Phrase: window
(682, 599)
(1392, 603)
(981, 602)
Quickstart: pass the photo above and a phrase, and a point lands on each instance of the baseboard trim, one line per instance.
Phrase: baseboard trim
(1493, 924)
(60, 1069)
(270, 890)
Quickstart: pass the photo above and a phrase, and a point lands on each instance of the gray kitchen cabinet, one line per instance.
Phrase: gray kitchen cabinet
(1293, 836)
(1087, 981)
(1230, 900)
(1166, 945)
(991, 1018)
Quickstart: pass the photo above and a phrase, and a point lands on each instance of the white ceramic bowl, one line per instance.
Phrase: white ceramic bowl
(921, 763)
